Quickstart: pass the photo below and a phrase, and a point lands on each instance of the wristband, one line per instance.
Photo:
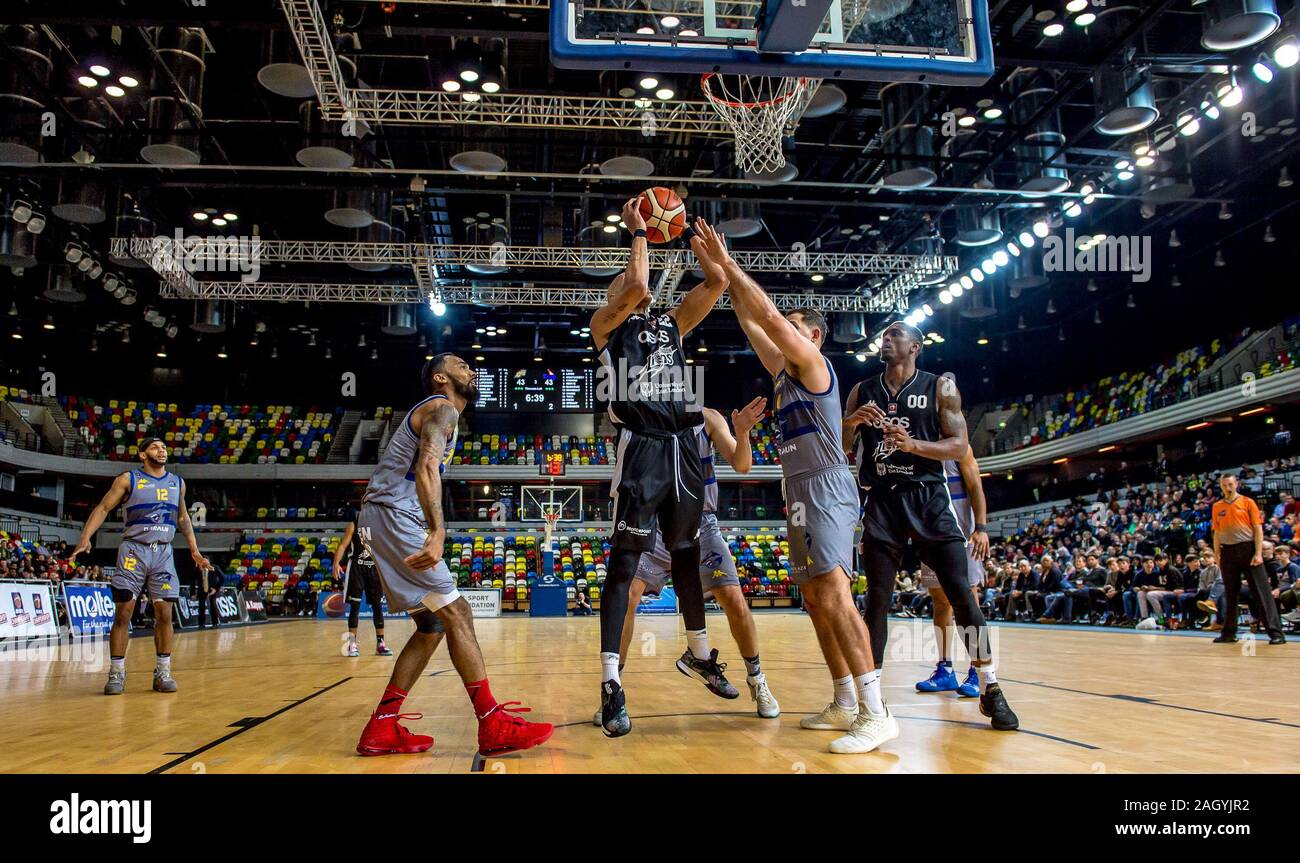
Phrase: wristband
(981, 528)
(688, 232)
(639, 232)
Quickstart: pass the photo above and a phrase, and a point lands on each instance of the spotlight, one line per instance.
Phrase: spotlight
(665, 93)
(1225, 212)
(692, 33)
(1000, 258)
(22, 211)
(1013, 249)
(1074, 210)
(992, 112)
(49, 322)
(982, 340)
(110, 283)
(219, 222)
(988, 266)
(129, 81)
(1287, 53)
(1268, 234)
(230, 217)
(645, 31)
(439, 308)
(115, 91)
(85, 264)
(493, 78)
(1262, 70)
(1209, 109)
(199, 216)
(977, 274)
(1056, 28)
(72, 253)
(87, 81)
(1076, 6)
(99, 70)
(1085, 19)
(1041, 229)
(1188, 123)
(1146, 160)
(967, 121)
(128, 297)
(1174, 242)
(945, 296)
(1229, 92)
(470, 96)
(670, 21)
(451, 85)
(36, 223)
(221, 354)
(816, 277)
(1284, 180)
(1124, 176)
(1219, 260)
(1027, 239)
(95, 271)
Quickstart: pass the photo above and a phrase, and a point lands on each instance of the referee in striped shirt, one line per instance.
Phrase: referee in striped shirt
(1239, 546)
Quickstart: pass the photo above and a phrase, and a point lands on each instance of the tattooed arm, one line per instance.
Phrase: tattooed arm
(435, 430)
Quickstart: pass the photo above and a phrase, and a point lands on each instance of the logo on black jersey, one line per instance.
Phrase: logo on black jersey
(893, 407)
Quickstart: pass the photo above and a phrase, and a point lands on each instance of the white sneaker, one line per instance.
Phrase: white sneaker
(759, 691)
(868, 732)
(353, 648)
(832, 718)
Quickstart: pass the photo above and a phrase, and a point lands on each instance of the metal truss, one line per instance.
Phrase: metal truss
(487, 295)
(907, 268)
(415, 107)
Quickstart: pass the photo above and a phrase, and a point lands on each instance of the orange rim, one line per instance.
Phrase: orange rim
(762, 103)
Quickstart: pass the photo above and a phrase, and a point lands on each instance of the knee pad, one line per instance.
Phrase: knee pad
(427, 623)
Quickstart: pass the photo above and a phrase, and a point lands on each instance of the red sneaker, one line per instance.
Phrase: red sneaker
(383, 735)
(501, 731)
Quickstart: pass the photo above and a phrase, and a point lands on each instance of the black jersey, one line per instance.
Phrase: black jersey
(357, 551)
(916, 408)
(645, 377)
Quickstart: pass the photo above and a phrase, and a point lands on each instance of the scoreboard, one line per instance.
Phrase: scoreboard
(540, 389)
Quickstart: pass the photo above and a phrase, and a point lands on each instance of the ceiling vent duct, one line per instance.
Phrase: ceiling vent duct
(931, 247)
(1174, 183)
(483, 233)
(981, 304)
(209, 317)
(61, 287)
(905, 107)
(594, 236)
(849, 328)
(1027, 272)
(1041, 154)
(357, 208)
(970, 153)
(324, 145)
(173, 138)
(399, 321)
(131, 223)
(283, 73)
(1122, 91)
(376, 232)
(1230, 25)
(17, 244)
(83, 198)
(977, 226)
(740, 219)
(20, 105)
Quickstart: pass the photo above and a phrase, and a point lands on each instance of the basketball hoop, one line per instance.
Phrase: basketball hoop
(552, 519)
(759, 111)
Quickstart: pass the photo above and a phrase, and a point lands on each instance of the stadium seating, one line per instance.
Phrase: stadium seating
(280, 561)
(494, 449)
(206, 433)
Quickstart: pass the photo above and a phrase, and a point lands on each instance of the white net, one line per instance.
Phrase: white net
(760, 111)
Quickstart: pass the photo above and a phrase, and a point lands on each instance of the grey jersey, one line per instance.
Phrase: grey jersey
(960, 499)
(710, 480)
(393, 482)
(808, 426)
(151, 507)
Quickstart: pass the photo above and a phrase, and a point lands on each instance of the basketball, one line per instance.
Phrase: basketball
(664, 214)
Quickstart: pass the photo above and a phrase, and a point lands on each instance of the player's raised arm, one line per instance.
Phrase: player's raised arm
(701, 299)
(632, 288)
(111, 500)
(952, 424)
(715, 249)
(757, 312)
(737, 450)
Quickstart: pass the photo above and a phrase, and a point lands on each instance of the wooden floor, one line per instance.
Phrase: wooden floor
(280, 697)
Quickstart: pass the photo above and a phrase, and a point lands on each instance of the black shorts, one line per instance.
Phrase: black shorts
(658, 481)
(363, 579)
(921, 513)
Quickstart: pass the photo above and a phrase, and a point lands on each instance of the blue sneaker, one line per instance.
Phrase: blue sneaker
(943, 680)
(971, 687)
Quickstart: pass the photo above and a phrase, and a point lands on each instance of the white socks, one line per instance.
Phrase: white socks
(117, 663)
(987, 677)
(846, 696)
(164, 664)
(609, 668)
(698, 641)
(869, 692)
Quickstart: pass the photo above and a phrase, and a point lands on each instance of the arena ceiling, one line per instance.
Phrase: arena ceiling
(259, 149)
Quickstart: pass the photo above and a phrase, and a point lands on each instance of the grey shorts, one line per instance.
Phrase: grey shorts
(822, 512)
(717, 566)
(392, 535)
(145, 567)
(974, 574)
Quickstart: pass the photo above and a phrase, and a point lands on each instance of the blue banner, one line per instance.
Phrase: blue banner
(90, 608)
(664, 603)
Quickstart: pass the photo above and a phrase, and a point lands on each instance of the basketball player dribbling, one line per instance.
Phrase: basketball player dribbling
(821, 503)
(658, 480)
(154, 508)
(909, 422)
(718, 576)
(401, 523)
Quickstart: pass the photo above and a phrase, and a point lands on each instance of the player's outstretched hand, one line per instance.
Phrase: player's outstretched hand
(747, 417)
(632, 214)
(200, 561)
(979, 541)
(83, 546)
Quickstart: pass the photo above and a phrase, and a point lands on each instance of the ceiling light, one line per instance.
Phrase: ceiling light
(649, 82)
(221, 354)
(219, 222)
(1284, 180)
(451, 85)
(670, 21)
(115, 91)
(967, 121)
(816, 277)
(992, 112)
(129, 81)
(1076, 5)
(1287, 53)
(1074, 209)
(645, 31)
(87, 81)
(1229, 92)
(1262, 70)
(1000, 258)
(1085, 19)
(199, 216)
(491, 87)
(99, 70)
(988, 266)
(1056, 28)
(230, 217)
(1187, 123)
(665, 93)
(36, 223)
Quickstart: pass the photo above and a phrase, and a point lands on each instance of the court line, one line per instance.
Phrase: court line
(967, 723)
(1139, 699)
(248, 724)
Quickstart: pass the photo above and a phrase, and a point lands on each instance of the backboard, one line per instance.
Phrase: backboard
(537, 501)
(933, 41)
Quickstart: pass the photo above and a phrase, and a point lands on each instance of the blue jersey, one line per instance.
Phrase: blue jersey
(393, 482)
(808, 426)
(151, 507)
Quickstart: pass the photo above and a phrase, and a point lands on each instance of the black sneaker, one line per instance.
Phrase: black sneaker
(709, 672)
(1277, 639)
(614, 721)
(1226, 639)
(993, 704)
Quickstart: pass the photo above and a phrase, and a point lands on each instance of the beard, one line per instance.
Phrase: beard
(468, 391)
